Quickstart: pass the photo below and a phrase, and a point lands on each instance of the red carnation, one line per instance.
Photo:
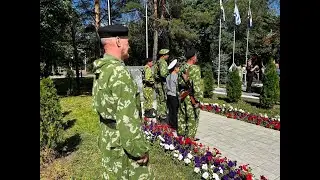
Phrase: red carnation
(249, 176)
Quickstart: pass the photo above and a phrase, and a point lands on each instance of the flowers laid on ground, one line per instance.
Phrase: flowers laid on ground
(206, 162)
(239, 114)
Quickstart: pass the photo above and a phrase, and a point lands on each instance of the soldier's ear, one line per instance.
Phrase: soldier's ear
(118, 42)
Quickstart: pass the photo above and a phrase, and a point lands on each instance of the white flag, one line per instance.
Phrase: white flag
(222, 11)
(236, 15)
(249, 18)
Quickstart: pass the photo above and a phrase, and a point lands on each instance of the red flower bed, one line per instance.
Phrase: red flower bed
(267, 122)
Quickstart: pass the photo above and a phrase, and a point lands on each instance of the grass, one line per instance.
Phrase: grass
(81, 158)
(246, 105)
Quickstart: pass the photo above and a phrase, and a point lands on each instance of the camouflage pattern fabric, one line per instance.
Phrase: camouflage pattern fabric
(188, 116)
(115, 96)
(161, 66)
(148, 91)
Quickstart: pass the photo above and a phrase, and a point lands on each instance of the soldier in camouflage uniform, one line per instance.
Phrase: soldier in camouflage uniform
(148, 85)
(116, 99)
(188, 115)
(160, 74)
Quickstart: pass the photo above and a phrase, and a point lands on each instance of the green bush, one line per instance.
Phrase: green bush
(50, 114)
(270, 93)
(234, 86)
(208, 83)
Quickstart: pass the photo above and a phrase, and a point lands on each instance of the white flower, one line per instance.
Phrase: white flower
(205, 175)
(212, 166)
(146, 132)
(235, 109)
(161, 138)
(196, 170)
(265, 115)
(176, 151)
(215, 176)
(180, 157)
(223, 105)
(204, 166)
(241, 110)
(171, 147)
(220, 170)
(205, 104)
(260, 114)
(161, 144)
(166, 146)
(187, 160)
(148, 137)
(189, 156)
(175, 155)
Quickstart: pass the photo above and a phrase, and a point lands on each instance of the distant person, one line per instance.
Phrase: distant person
(148, 87)
(250, 73)
(160, 74)
(172, 93)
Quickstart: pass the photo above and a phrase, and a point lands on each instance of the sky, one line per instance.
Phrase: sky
(130, 16)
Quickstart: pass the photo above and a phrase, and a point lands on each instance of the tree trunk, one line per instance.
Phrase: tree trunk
(155, 34)
(97, 13)
(97, 25)
(163, 3)
(75, 54)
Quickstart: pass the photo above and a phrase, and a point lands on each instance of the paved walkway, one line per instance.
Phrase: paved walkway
(244, 142)
(241, 141)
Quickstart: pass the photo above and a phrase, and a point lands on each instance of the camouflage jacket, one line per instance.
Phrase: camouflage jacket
(161, 68)
(116, 97)
(194, 78)
(148, 74)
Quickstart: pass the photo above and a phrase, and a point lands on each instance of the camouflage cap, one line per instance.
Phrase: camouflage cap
(164, 51)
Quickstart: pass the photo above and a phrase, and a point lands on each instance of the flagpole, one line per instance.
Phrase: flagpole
(247, 51)
(234, 42)
(219, 54)
(146, 29)
(109, 17)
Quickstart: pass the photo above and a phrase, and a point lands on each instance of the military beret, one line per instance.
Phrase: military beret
(190, 53)
(113, 31)
(164, 51)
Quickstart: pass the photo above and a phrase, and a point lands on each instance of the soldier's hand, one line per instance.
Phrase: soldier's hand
(144, 159)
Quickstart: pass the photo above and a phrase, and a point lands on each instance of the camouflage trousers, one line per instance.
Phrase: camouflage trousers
(161, 100)
(117, 165)
(188, 119)
(148, 98)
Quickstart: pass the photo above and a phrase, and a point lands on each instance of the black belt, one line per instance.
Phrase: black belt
(109, 122)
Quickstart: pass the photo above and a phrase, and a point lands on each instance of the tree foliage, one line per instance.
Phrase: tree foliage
(234, 86)
(185, 23)
(271, 90)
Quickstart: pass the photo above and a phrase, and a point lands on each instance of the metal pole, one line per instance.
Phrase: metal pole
(234, 43)
(247, 51)
(147, 29)
(219, 54)
(109, 17)
(85, 62)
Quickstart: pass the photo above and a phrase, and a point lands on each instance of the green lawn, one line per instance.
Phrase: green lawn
(246, 105)
(81, 157)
